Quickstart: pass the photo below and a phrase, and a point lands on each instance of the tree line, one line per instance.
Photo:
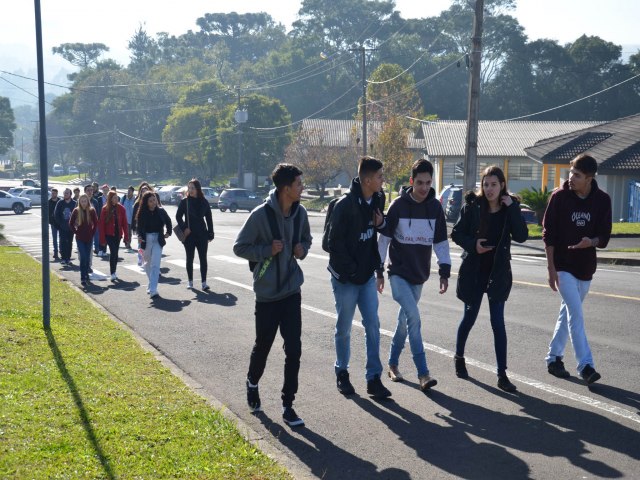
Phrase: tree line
(172, 107)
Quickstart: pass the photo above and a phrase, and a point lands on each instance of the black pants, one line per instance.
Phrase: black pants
(190, 245)
(114, 246)
(66, 244)
(285, 314)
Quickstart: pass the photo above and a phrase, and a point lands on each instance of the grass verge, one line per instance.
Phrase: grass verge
(84, 400)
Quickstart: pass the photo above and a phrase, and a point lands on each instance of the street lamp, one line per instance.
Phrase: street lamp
(241, 116)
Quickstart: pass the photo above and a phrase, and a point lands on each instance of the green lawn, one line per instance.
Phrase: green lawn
(84, 400)
(535, 231)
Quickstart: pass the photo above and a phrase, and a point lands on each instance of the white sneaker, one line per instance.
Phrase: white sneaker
(189, 285)
(114, 277)
(205, 286)
(101, 253)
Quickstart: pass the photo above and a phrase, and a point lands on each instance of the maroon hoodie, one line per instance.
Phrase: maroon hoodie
(568, 219)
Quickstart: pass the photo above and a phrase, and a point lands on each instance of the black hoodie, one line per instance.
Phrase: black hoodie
(353, 240)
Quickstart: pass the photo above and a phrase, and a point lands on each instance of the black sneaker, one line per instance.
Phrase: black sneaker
(556, 368)
(505, 384)
(344, 385)
(253, 398)
(376, 389)
(291, 418)
(589, 375)
(461, 367)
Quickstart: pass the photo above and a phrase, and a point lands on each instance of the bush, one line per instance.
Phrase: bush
(536, 199)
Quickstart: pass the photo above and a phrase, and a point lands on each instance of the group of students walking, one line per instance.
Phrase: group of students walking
(360, 240)
(112, 219)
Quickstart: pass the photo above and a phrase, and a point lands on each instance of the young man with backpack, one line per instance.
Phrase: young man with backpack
(415, 226)
(273, 238)
(352, 242)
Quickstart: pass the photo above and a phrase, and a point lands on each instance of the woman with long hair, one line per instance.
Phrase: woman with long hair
(113, 227)
(83, 223)
(151, 222)
(142, 189)
(195, 220)
(488, 221)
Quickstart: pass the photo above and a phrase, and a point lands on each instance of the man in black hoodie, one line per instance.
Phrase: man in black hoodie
(52, 221)
(353, 257)
(577, 220)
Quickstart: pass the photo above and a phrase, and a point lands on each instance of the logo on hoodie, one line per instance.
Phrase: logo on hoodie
(580, 218)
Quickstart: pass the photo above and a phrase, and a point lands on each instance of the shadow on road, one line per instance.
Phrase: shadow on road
(77, 400)
(450, 448)
(325, 459)
(169, 305)
(212, 298)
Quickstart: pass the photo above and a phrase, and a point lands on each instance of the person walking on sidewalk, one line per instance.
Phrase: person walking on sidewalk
(488, 222)
(151, 222)
(113, 227)
(194, 218)
(62, 214)
(576, 221)
(83, 224)
(274, 237)
(414, 226)
(52, 222)
(353, 258)
(127, 202)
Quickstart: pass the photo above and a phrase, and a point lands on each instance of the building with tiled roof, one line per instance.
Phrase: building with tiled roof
(616, 147)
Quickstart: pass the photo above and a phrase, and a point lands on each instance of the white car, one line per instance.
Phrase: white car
(165, 192)
(17, 204)
(72, 170)
(33, 194)
(17, 191)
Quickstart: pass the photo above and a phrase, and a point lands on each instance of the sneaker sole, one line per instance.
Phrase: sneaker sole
(593, 378)
(294, 423)
(429, 385)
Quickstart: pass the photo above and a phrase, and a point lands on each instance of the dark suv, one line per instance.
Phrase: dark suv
(238, 199)
(453, 204)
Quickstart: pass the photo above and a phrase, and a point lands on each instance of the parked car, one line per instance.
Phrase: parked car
(238, 199)
(57, 169)
(17, 204)
(445, 193)
(33, 194)
(73, 170)
(209, 193)
(17, 191)
(165, 192)
(454, 204)
(528, 214)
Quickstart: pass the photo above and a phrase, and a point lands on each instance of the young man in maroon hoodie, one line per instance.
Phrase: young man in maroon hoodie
(577, 220)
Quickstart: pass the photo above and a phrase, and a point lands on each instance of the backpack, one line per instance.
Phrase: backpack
(275, 233)
(379, 199)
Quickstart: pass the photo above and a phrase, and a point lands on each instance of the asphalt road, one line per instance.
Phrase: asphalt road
(467, 429)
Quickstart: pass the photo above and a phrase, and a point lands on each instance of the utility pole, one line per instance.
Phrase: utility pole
(363, 69)
(241, 116)
(44, 176)
(471, 146)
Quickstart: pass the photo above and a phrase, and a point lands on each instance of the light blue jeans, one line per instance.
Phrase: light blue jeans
(570, 322)
(407, 295)
(153, 255)
(347, 296)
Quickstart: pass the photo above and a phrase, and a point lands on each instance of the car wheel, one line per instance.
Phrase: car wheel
(233, 207)
(18, 208)
(223, 210)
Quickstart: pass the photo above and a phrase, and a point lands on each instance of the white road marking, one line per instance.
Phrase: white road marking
(525, 258)
(321, 257)
(181, 262)
(226, 258)
(613, 409)
(135, 268)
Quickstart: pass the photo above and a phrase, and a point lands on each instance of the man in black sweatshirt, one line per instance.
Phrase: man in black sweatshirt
(577, 220)
(52, 222)
(353, 257)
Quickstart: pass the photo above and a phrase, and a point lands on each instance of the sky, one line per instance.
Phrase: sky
(115, 21)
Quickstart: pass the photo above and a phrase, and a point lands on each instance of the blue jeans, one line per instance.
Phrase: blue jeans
(570, 322)
(84, 252)
(347, 296)
(54, 239)
(408, 296)
(153, 255)
(96, 241)
(66, 244)
(496, 313)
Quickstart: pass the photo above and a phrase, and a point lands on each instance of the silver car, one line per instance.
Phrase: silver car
(17, 204)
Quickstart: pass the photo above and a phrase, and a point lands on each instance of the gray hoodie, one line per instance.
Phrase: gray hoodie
(253, 243)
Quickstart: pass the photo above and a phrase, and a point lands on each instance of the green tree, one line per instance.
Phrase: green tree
(81, 55)
(537, 200)
(7, 125)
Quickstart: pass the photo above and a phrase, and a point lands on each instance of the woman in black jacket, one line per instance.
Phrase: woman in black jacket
(194, 218)
(488, 221)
